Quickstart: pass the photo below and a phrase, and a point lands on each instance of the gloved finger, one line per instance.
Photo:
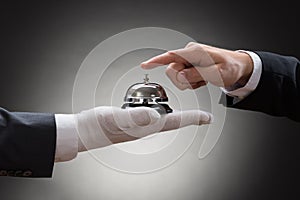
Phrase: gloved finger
(143, 131)
(185, 118)
(117, 119)
(172, 72)
(172, 121)
(164, 59)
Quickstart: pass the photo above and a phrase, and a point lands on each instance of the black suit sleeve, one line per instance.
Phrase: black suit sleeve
(27, 144)
(278, 91)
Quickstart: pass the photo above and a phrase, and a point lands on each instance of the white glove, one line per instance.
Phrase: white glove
(103, 126)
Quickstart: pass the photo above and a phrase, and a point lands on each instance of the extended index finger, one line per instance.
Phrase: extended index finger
(162, 59)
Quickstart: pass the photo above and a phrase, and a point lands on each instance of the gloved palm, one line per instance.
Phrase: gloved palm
(103, 126)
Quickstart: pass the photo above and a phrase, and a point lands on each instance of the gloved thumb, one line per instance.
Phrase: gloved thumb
(139, 116)
(117, 119)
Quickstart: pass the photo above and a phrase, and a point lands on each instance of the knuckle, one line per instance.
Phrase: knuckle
(180, 87)
(188, 75)
(170, 69)
(170, 53)
(191, 74)
(191, 44)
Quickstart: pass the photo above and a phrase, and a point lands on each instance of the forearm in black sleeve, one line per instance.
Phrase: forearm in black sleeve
(278, 91)
(27, 144)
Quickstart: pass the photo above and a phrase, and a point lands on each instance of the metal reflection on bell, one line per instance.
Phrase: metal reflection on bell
(147, 94)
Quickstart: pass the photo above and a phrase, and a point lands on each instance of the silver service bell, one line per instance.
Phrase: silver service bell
(147, 94)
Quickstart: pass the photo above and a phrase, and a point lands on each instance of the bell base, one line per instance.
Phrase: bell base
(160, 108)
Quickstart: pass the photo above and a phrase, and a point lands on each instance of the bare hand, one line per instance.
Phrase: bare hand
(197, 64)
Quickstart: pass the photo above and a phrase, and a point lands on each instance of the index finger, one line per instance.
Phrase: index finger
(162, 59)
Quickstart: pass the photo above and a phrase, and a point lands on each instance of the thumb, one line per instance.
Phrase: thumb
(118, 119)
(185, 118)
(141, 116)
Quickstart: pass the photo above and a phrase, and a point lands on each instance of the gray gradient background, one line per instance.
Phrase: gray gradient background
(43, 45)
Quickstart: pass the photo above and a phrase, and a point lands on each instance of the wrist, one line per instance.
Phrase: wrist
(246, 68)
(241, 91)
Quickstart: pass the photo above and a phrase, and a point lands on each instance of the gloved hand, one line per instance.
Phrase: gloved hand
(197, 64)
(103, 126)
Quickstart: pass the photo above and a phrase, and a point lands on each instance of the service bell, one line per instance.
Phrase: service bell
(147, 94)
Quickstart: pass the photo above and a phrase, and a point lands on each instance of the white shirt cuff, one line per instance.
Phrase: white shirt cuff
(242, 92)
(66, 137)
